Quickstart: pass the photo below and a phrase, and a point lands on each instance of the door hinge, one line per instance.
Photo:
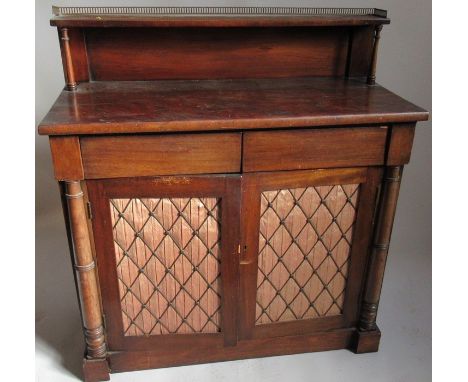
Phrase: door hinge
(89, 210)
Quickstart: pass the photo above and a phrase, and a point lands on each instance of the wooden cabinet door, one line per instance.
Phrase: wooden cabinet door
(167, 254)
(305, 240)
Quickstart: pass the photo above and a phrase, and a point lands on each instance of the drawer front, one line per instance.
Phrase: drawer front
(129, 156)
(318, 148)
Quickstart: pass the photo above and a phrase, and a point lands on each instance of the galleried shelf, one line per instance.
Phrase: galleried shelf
(229, 177)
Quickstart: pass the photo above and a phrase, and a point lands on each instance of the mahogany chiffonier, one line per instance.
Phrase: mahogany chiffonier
(229, 179)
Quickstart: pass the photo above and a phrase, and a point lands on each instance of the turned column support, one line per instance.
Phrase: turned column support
(379, 252)
(373, 65)
(67, 59)
(84, 266)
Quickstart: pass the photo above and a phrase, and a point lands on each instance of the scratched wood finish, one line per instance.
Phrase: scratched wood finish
(163, 106)
(124, 156)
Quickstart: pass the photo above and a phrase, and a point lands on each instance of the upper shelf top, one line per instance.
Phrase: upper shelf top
(112, 107)
(214, 16)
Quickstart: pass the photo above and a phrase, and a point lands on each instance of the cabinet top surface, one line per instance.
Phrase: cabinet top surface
(214, 16)
(109, 107)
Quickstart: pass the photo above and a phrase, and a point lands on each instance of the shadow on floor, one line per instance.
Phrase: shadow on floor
(58, 324)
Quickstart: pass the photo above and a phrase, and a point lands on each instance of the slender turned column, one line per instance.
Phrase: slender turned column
(67, 59)
(85, 272)
(373, 67)
(383, 231)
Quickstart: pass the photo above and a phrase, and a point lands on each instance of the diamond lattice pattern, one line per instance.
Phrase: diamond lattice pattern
(167, 254)
(305, 242)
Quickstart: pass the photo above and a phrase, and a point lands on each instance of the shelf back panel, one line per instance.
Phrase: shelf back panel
(133, 54)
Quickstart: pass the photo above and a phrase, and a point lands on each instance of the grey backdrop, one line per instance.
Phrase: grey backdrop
(405, 313)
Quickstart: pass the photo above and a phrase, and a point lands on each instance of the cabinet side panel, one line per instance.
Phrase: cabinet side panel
(66, 157)
(400, 145)
(79, 54)
(360, 52)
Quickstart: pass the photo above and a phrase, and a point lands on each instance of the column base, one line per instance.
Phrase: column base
(366, 341)
(95, 370)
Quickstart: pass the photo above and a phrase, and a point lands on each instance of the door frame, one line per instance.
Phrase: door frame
(253, 184)
(225, 187)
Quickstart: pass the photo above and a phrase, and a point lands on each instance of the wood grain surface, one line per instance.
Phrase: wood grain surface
(187, 53)
(163, 106)
(316, 148)
(123, 156)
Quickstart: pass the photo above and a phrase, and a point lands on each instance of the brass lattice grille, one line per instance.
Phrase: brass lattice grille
(167, 254)
(305, 242)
